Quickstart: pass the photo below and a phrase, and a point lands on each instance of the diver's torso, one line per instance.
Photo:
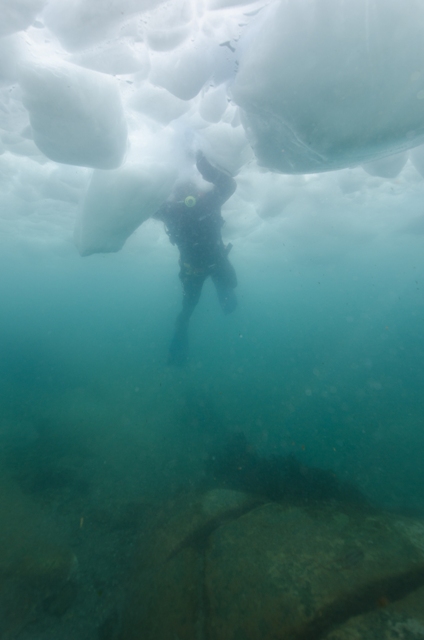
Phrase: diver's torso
(196, 231)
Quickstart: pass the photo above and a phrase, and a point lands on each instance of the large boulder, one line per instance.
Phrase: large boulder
(189, 520)
(399, 620)
(402, 620)
(248, 570)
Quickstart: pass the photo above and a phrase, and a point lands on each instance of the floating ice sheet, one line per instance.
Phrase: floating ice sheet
(117, 202)
(327, 84)
(76, 115)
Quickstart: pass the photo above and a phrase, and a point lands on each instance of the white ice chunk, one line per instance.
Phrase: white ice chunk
(269, 192)
(214, 104)
(158, 104)
(327, 84)
(57, 189)
(17, 15)
(117, 202)
(389, 167)
(10, 53)
(169, 25)
(166, 39)
(13, 116)
(81, 23)
(76, 114)
(226, 146)
(225, 4)
(116, 58)
(24, 148)
(185, 71)
(417, 159)
(224, 29)
(20, 144)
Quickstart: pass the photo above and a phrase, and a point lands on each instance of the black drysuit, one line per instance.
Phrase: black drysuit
(196, 230)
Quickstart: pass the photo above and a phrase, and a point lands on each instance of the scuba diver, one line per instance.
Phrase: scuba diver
(193, 223)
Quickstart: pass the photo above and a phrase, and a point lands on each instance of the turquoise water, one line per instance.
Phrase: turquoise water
(310, 394)
(321, 360)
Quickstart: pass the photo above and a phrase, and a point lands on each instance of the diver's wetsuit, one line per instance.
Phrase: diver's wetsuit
(196, 230)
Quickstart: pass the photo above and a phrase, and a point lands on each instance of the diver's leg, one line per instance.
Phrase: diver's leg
(192, 288)
(225, 280)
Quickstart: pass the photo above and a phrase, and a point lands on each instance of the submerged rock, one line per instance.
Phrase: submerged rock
(189, 521)
(225, 566)
(402, 620)
(302, 572)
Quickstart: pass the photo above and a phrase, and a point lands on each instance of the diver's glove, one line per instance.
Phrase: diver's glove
(208, 171)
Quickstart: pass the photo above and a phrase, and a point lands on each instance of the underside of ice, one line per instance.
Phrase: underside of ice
(325, 85)
(280, 86)
(18, 14)
(118, 202)
(76, 115)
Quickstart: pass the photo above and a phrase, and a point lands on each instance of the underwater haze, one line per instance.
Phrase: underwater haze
(316, 108)
(322, 360)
